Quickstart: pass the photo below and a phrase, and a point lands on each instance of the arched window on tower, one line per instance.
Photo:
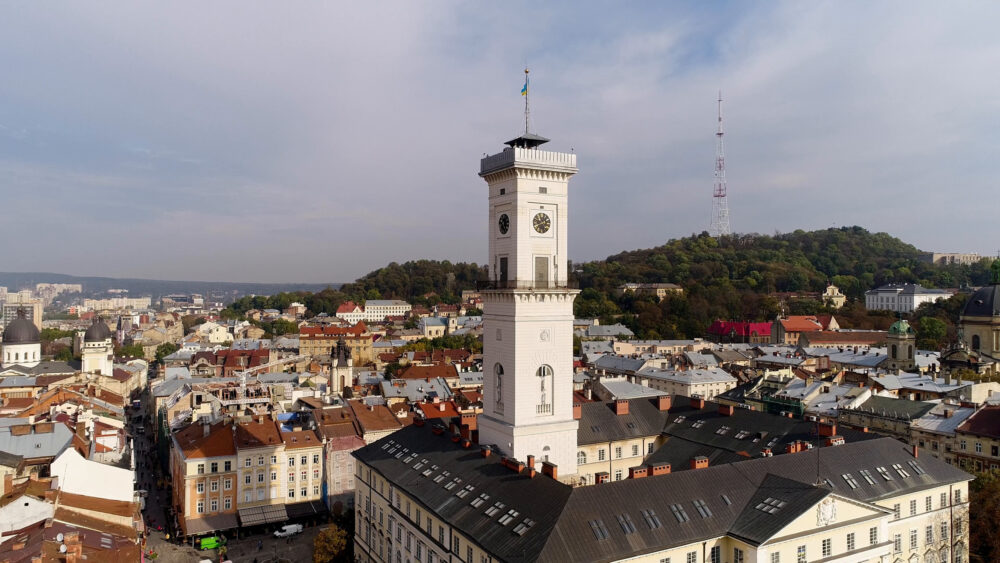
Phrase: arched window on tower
(498, 373)
(545, 390)
(581, 458)
(975, 341)
(909, 350)
(894, 356)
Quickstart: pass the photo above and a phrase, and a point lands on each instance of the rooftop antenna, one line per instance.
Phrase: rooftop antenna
(720, 206)
(524, 92)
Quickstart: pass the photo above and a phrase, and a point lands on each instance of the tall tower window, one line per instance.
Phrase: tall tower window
(498, 372)
(975, 342)
(545, 390)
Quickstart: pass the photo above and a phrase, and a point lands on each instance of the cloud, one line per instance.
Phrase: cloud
(316, 142)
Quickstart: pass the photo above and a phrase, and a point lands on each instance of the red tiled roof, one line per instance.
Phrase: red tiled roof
(444, 409)
(374, 418)
(833, 337)
(427, 372)
(347, 307)
(725, 328)
(330, 331)
(986, 423)
(801, 323)
(257, 434)
(195, 444)
(300, 439)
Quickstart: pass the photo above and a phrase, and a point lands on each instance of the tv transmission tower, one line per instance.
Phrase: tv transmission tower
(720, 207)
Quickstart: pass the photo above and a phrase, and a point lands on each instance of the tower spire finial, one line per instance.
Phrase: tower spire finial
(527, 110)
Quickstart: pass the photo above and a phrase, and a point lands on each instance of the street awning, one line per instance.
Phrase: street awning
(218, 522)
(306, 509)
(263, 514)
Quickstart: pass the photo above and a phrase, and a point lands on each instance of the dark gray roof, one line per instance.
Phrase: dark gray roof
(565, 518)
(791, 479)
(903, 409)
(599, 423)
(528, 140)
(985, 302)
(540, 499)
(98, 331)
(21, 331)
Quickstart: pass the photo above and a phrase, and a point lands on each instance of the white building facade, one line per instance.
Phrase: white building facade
(902, 298)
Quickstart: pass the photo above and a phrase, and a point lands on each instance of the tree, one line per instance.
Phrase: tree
(164, 350)
(391, 369)
(50, 334)
(931, 334)
(984, 521)
(64, 354)
(130, 351)
(330, 545)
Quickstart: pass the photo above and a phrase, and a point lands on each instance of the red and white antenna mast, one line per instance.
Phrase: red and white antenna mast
(720, 207)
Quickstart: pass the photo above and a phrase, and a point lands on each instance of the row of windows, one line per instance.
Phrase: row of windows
(227, 504)
(227, 484)
(928, 504)
(248, 462)
(581, 456)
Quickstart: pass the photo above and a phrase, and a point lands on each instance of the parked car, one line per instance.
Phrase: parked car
(288, 530)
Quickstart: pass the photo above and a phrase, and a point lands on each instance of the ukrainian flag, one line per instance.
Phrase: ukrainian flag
(524, 90)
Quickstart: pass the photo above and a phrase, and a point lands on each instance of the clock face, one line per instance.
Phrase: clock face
(541, 222)
(504, 224)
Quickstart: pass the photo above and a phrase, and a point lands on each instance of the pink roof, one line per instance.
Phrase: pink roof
(725, 328)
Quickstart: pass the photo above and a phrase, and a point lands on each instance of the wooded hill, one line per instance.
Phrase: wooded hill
(735, 277)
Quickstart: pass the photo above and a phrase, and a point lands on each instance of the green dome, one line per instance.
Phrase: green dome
(902, 327)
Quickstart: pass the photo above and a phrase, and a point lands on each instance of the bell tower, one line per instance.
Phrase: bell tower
(528, 306)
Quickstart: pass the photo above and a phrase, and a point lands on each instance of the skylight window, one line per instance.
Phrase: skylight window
(723, 430)
(771, 505)
(427, 472)
(726, 500)
(625, 521)
(652, 520)
(409, 458)
(899, 469)
(741, 434)
(850, 480)
(419, 464)
(524, 526)
(867, 475)
(630, 425)
(679, 513)
(702, 508)
(595, 428)
(441, 477)
(386, 445)
(453, 483)
(509, 517)
(480, 500)
(698, 424)
(680, 418)
(493, 510)
(465, 491)
(884, 473)
(399, 455)
(916, 467)
(600, 532)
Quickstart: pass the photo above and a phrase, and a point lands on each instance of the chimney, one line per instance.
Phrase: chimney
(663, 402)
(531, 462)
(916, 452)
(726, 410)
(697, 403)
(206, 429)
(577, 411)
(827, 429)
(601, 477)
(948, 413)
(660, 469)
(637, 472)
(621, 407)
(835, 441)
(699, 462)
(550, 469)
(486, 451)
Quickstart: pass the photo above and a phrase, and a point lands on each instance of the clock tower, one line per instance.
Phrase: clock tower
(528, 306)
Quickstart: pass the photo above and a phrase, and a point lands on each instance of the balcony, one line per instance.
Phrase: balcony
(534, 158)
(543, 409)
(486, 285)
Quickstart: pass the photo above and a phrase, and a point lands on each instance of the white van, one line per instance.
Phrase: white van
(288, 530)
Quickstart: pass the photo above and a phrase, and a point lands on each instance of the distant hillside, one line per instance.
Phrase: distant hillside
(734, 277)
(94, 286)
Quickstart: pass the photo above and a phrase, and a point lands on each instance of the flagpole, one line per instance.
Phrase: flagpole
(526, 93)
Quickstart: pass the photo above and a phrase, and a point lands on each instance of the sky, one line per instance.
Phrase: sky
(317, 141)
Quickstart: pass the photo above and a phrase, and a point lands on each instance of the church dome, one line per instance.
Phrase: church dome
(98, 332)
(21, 331)
(985, 302)
(901, 327)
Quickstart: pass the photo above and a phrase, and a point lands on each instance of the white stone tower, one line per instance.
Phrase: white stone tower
(98, 351)
(528, 306)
